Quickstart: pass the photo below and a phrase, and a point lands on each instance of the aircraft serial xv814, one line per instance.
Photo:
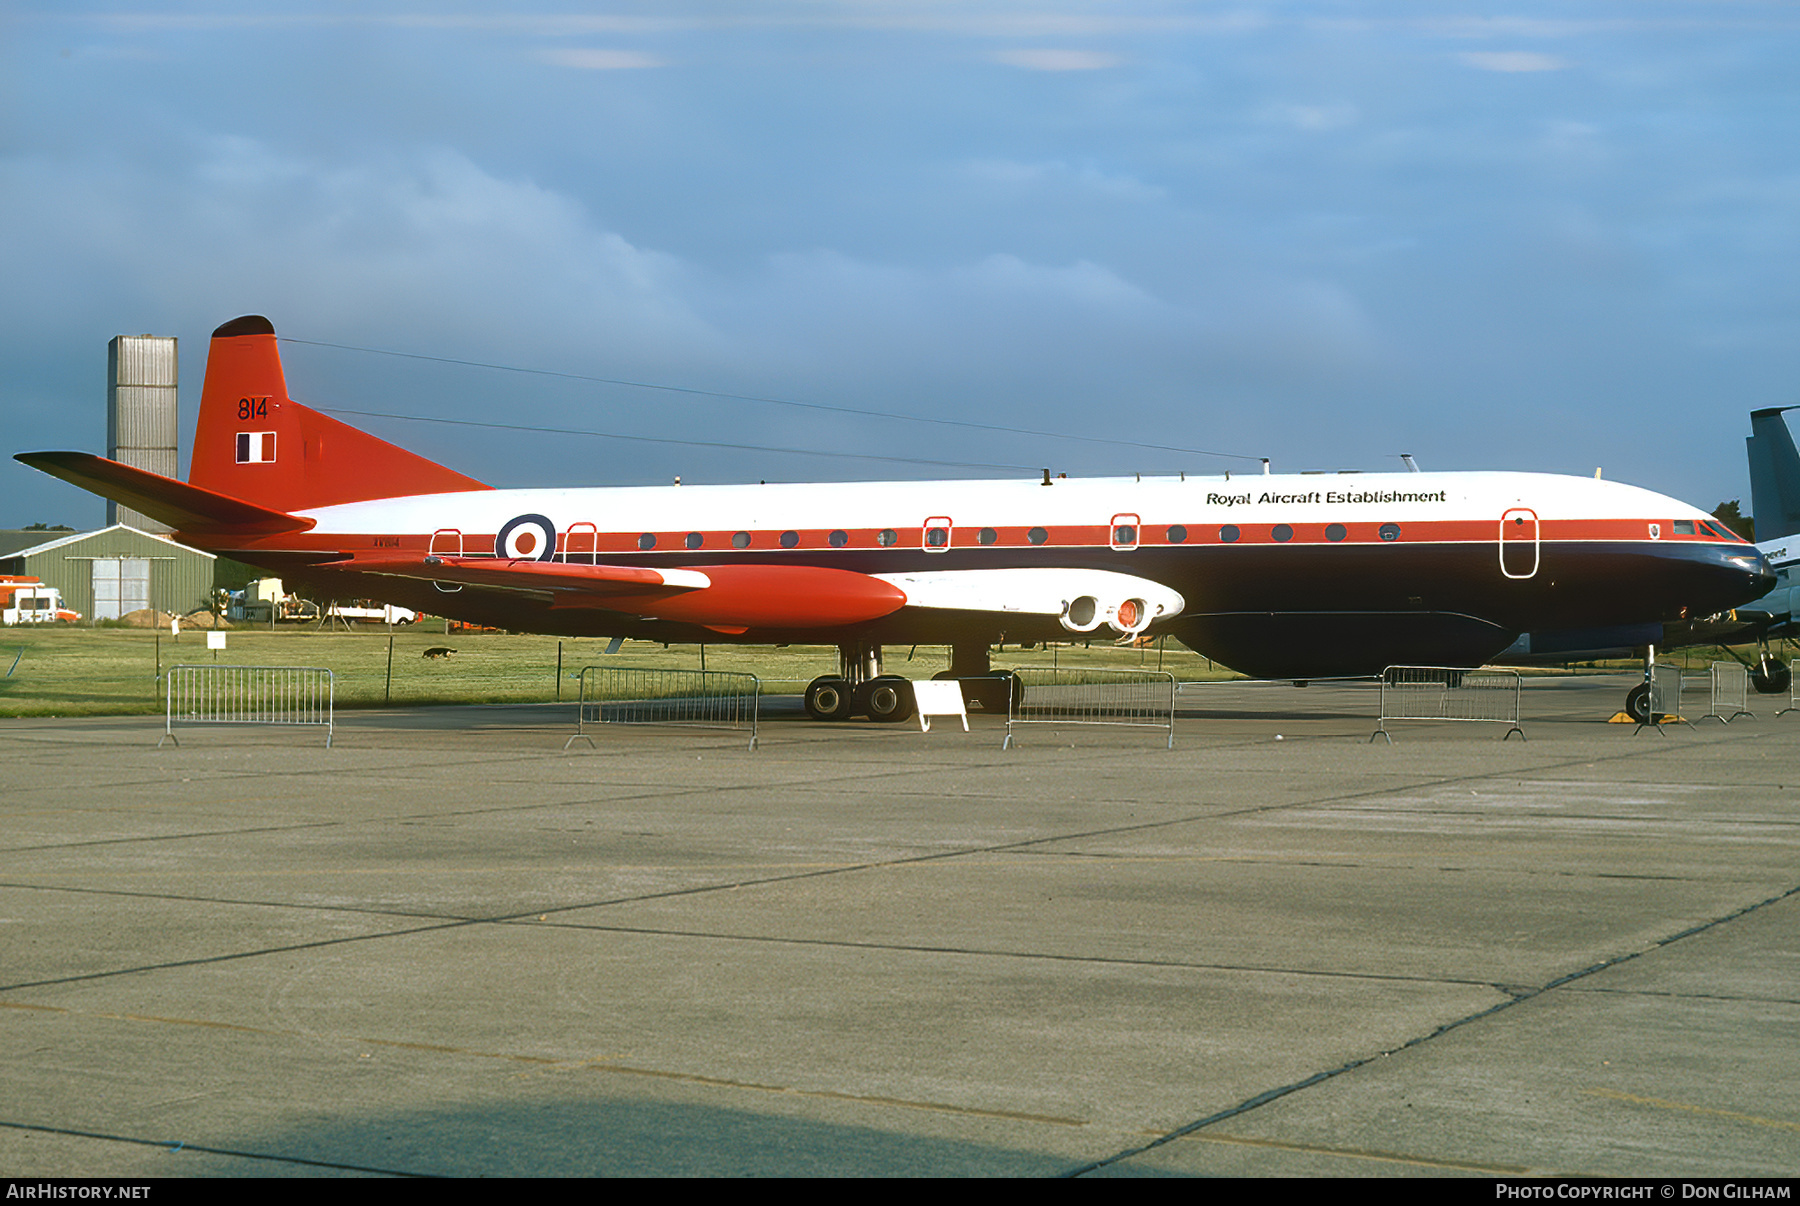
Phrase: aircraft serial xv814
(1278, 576)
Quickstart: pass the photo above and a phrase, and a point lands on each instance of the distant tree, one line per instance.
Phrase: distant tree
(1728, 514)
(234, 575)
(47, 527)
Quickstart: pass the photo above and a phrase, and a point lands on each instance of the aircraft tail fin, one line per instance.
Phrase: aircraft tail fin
(254, 442)
(1774, 474)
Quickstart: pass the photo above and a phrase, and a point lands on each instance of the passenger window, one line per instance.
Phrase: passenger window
(740, 540)
(1282, 532)
(1177, 534)
(1335, 531)
(647, 540)
(987, 536)
(695, 540)
(1389, 531)
(1037, 535)
(839, 539)
(789, 539)
(1229, 533)
(1122, 530)
(887, 538)
(1684, 527)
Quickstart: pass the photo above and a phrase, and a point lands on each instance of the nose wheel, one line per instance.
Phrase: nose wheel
(992, 690)
(1771, 677)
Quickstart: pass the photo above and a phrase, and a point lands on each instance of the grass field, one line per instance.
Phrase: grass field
(75, 671)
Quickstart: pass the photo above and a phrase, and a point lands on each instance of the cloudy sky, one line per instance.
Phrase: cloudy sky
(1536, 235)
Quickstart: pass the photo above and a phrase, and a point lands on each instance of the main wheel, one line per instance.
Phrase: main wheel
(1771, 678)
(888, 699)
(992, 691)
(828, 697)
(1637, 703)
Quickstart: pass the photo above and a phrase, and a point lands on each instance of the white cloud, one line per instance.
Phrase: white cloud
(601, 60)
(1059, 177)
(427, 247)
(1513, 60)
(1318, 118)
(1058, 60)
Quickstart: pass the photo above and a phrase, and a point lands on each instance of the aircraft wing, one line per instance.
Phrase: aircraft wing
(728, 597)
(531, 574)
(739, 597)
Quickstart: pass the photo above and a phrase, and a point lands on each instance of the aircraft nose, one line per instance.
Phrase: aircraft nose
(1715, 578)
(1748, 570)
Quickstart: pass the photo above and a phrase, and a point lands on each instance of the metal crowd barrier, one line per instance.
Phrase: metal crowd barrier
(1449, 693)
(248, 695)
(1789, 699)
(1131, 698)
(1730, 692)
(1665, 699)
(707, 699)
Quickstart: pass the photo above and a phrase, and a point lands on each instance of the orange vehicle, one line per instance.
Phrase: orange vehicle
(28, 601)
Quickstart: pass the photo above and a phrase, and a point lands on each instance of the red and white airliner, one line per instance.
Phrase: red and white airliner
(1279, 576)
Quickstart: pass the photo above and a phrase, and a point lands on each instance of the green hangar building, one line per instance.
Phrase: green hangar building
(114, 571)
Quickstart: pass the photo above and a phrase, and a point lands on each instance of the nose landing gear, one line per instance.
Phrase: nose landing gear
(1771, 675)
(1637, 700)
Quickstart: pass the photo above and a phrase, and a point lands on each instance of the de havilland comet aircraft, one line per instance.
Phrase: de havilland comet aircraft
(1277, 576)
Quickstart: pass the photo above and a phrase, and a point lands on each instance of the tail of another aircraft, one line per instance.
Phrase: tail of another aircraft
(253, 442)
(1774, 475)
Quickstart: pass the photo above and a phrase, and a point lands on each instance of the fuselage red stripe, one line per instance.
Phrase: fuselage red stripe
(584, 542)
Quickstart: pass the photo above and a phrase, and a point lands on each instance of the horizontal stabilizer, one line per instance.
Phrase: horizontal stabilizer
(183, 507)
(729, 597)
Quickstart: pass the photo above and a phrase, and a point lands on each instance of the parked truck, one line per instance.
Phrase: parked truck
(263, 601)
(372, 611)
(28, 601)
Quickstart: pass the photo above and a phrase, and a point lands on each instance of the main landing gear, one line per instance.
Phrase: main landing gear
(860, 689)
(982, 686)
